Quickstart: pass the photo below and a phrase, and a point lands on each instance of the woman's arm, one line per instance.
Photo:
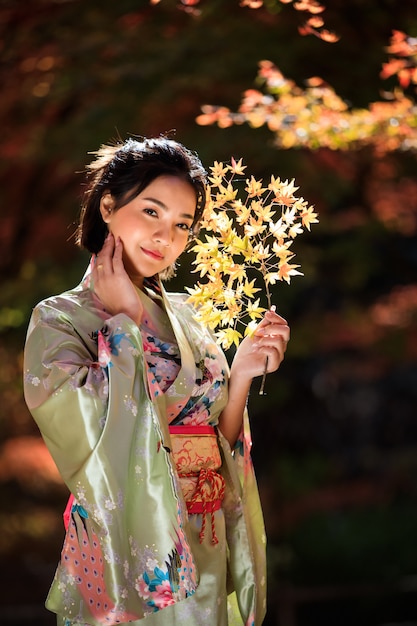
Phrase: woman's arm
(67, 385)
(269, 341)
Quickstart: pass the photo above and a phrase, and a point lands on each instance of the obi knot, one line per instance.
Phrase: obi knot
(197, 459)
(207, 498)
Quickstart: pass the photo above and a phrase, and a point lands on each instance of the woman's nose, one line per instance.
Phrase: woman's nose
(163, 235)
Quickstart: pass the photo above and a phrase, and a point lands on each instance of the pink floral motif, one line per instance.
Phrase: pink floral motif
(104, 350)
(163, 595)
(215, 368)
(142, 588)
(197, 418)
(158, 590)
(147, 345)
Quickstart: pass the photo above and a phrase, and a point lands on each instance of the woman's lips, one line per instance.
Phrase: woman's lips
(153, 253)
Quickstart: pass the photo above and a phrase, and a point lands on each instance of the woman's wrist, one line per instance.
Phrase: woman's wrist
(241, 374)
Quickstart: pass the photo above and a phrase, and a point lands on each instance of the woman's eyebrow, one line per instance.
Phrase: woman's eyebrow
(165, 208)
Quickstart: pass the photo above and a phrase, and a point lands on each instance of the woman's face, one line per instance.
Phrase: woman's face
(154, 226)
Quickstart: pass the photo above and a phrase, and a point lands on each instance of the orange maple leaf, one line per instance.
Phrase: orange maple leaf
(309, 5)
(251, 4)
(392, 67)
(329, 36)
(316, 22)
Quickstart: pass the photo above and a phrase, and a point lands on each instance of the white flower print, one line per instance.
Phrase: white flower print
(131, 405)
(33, 380)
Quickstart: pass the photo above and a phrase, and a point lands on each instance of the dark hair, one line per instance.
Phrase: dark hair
(124, 169)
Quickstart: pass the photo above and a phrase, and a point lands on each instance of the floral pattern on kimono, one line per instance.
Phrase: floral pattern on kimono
(102, 392)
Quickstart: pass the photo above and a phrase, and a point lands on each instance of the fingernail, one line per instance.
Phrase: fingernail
(273, 308)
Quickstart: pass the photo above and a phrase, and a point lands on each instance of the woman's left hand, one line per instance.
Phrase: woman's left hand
(265, 347)
(269, 341)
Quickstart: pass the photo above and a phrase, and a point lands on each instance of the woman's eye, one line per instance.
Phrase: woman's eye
(183, 226)
(151, 212)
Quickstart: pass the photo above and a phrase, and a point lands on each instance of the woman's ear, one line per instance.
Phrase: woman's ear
(106, 206)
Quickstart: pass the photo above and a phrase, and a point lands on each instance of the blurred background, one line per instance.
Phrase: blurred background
(335, 438)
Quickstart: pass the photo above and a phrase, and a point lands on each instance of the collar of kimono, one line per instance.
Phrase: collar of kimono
(187, 356)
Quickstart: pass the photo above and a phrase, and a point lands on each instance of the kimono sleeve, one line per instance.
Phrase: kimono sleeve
(245, 528)
(66, 380)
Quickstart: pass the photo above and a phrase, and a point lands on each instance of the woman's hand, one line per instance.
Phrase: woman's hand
(112, 284)
(266, 346)
(269, 340)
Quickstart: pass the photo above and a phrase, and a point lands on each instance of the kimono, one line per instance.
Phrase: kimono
(120, 408)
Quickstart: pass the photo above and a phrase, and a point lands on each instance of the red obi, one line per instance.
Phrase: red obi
(197, 458)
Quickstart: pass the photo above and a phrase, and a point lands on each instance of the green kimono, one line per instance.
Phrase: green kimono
(104, 394)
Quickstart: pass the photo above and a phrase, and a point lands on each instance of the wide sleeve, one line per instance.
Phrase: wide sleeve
(85, 386)
(244, 528)
(66, 379)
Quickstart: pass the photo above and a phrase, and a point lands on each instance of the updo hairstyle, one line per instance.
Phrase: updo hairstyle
(124, 170)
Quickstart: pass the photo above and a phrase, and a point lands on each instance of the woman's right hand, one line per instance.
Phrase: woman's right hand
(112, 284)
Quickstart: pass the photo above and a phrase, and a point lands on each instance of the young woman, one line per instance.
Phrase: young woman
(136, 404)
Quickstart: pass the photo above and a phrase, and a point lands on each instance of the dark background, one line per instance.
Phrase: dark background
(335, 438)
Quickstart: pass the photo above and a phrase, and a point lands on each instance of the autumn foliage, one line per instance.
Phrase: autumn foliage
(249, 228)
(316, 117)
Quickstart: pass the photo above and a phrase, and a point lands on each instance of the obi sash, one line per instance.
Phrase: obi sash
(197, 458)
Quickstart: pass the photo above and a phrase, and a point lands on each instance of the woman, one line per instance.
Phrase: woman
(147, 427)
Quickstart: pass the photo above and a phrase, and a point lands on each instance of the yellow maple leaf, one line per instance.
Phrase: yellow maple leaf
(254, 228)
(259, 253)
(286, 271)
(215, 284)
(271, 278)
(224, 224)
(210, 245)
(262, 211)
(251, 328)
(296, 229)
(242, 213)
(210, 318)
(255, 310)
(289, 215)
(218, 169)
(308, 217)
(254, 187)
(229, 336)
(235, 271)
(215, 181)
(249, 288)
(278, 229)
(226, 193)
(237, 167)
(281, 249)
(284, 192)
(237, 244)
(231, 313)
(275, 185)
(203, 268)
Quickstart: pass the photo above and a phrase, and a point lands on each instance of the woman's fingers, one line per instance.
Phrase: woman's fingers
(271, 338)
(271, 317)
(272, 331)
(118, 265)
(104, 259)
(112, 284)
